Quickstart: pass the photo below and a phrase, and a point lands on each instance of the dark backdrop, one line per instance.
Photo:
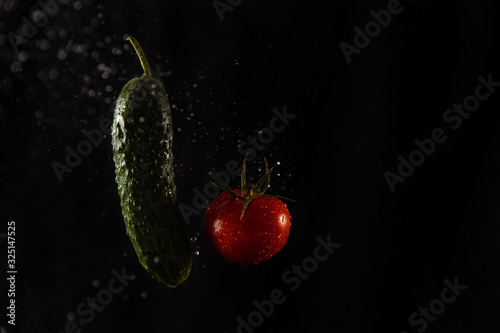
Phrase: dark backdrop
(224, 78)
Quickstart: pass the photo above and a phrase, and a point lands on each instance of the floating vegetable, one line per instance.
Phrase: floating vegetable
(142, 152)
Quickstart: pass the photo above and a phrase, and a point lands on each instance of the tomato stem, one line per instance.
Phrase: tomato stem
(249, 191)
(141, 55)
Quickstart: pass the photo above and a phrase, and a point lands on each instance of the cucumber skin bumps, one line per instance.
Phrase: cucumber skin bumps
(142, 152)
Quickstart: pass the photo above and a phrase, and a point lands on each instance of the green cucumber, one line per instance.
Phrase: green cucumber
(142, 152)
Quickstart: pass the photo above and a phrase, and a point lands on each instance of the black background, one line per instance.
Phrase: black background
(352, 122)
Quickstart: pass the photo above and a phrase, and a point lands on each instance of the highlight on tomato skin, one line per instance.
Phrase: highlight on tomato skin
(246, 225)
(257, 237)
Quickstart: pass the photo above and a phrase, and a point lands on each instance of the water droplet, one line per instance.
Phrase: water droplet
(144, 294)
(78, 5)
(193, 239)
(197, 253)
(16, 67)
(96, 283)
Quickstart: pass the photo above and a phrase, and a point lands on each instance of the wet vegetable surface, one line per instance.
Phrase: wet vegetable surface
(246, 225)
(142, 152)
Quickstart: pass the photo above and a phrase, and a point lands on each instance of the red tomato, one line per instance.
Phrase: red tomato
(247, 226)
(257, 237)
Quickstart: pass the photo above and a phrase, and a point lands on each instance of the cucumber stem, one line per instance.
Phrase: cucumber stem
(141, 55)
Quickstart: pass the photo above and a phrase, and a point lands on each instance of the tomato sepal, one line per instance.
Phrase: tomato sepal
(249, 191)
